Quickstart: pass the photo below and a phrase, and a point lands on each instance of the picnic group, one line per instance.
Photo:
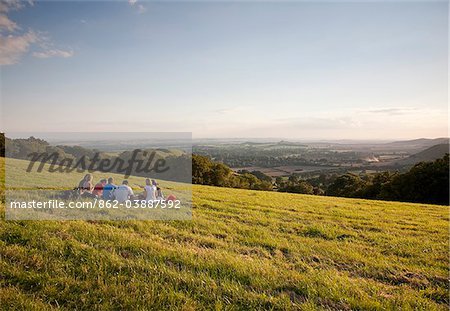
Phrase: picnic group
(106, 189)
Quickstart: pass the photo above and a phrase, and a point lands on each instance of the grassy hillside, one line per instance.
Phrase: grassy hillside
(242, 250)
(18, 178)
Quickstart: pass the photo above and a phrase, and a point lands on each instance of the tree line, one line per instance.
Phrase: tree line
(425, 182)
(208, 172)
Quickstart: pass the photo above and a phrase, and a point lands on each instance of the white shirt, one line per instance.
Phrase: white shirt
(151, 193)
(123, 193)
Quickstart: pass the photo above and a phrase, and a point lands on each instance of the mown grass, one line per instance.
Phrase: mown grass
(243, 250)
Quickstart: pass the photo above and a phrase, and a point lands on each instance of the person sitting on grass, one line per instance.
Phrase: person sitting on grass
(159, 194)
(81, 184)
(108, 189)
(98, 189)
(123, 192)
(149, 191)
(88, 187)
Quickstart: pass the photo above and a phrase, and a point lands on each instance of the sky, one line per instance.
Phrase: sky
(296, 70)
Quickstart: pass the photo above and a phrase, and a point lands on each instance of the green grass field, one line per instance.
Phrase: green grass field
(243, 250)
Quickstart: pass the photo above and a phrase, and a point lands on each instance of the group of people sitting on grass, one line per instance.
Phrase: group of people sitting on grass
(107, 190)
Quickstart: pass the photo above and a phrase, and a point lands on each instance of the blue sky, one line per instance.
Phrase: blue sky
(301, 70)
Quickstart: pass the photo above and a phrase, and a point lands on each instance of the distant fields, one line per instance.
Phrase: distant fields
(242, 250)
(287, 170)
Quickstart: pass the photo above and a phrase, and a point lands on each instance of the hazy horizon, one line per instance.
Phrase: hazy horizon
(54, 137)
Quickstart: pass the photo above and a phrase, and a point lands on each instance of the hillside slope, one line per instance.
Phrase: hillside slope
(242, 250)
(421, 143)
(429, 154)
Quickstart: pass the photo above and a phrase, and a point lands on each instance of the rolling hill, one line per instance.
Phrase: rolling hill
(243, 250)
(429, 154)
(420, 143)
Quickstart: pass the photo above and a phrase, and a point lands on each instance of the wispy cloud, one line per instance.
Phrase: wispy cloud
(14, 43)
(235, 110)
(13, 47)
(6, 23)
(140, 7)
(53, 53)
(8, 5)
(393, 110)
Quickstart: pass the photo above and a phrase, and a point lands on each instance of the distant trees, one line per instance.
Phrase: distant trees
(220, 175)
(294, 185)
(348, 185)
(268, 155)
(300, 186)
(201, 168)
(376, 183)
(22, 149)
(258, 174)
(426, 182)
(207, 172)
